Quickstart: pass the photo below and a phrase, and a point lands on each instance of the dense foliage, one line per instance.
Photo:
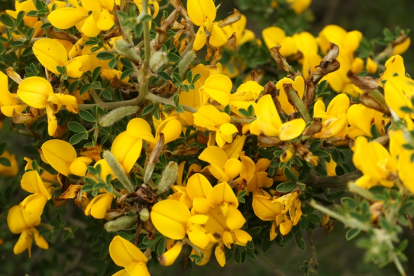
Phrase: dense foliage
(181, 136)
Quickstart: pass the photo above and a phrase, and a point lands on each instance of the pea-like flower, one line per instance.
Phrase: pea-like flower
(51, 54)
(38, 93)
(269, 123)
(8, 101)
(127, 255)
(221, 166)
(398, 93)
(362, 118)
(21, 222)
(100, 19)
(98, 206)
(203, 13)
(375, 162)
(13, 169)
(63, 158)
(334, 119)
(41, 193)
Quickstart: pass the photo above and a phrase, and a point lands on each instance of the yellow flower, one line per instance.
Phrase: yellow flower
(169, 257)
(334, 119)
(372, 66)
(100, 19)
(348, 43)
(8, 101)
(394, 66)
(51, 53)
(361, 119)
(127, 255)
(32, 183)
(357, 65)
(26, 6)
(398, 92)
(98, 205)
(330, 167)
(298, 85)
(242, 34)
(126, 149)
(21, 222)
(203, 13)
(375, 162)
(254, 176)
(13, 170)
(221, 166)
(268, 122)
(63, 158)
(403, 47)
(299, 6)
(38, 93)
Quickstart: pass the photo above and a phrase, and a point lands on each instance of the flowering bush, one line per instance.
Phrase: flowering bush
(163, 124)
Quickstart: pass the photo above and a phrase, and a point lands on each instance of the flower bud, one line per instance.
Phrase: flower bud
(117, 114)
(125, 49)
(121, 223)
(118, 170)
(158, 60)
(169, 177)
(144, 214)
(186, 61)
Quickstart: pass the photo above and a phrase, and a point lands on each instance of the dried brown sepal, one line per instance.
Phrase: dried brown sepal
(364, 83)
(183, 152)
(71, 192)
(82, 200)
(310, 88)
(167, 89)
(59, 202)
(266, 141)
(231, 41)
(13, 75)
(114, 213)
(113, 33)
(162, 31)
(305, 154)
(328, 65)
(63, 181)
(22, 118)
(232, 18)
(177, 4)
(153, 158)
(383, 140)
(339, 141)
(375, 100)
(92, 152)
(118, 84)
(269, 88)
(279, 107)
(62, 35)
(400, 39)
(315, 127)
(329, 227)
(280, 59)
(183, 46)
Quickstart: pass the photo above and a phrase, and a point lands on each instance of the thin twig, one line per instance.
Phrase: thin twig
(269, 263)
(314, 259)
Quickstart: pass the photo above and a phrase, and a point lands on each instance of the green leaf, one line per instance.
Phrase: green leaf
(2, 148)
(127, 73)
(5, 162)
(335, 195)
(87, 188)
(105, 56)
(315, 145)
(173, 57)
(314, 218)
(73, 86)
(303, 223)
(227, 109)
(286, 187)
(92, 170)
(76, 127)
(177, 77)
(98, 186)
(321, 153)
(250, 109)
(97, 85)
(112, 63)
(148, 109)
(255, 231)
(46, 25)
(85, 88)
(161, 246)
(77, 138)
(95, 73)
(374, 131)
(164, 76)
(352, 233)
(300, 241)
(244, 112)
(87, 116)
(7, 20)
(107, 94)
(290, 175)
(405, 109)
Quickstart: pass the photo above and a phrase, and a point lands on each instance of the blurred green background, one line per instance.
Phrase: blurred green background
(336, 256)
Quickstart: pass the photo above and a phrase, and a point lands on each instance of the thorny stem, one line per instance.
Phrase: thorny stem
(269, 263)
(314, 259)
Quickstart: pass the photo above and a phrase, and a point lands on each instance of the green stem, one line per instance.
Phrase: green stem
(143, 89)
(298, 103)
